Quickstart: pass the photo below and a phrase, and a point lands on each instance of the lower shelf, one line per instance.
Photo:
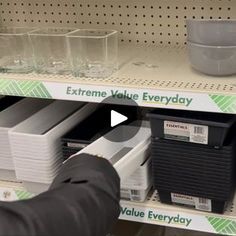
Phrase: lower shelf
(152, 212)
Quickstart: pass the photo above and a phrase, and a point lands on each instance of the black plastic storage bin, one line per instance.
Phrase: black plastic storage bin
(69, 151)
(95, 126)
(215, 125)
(8, 101)
(194, 170)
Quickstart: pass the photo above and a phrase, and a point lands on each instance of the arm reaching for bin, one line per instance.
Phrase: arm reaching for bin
(82, 201)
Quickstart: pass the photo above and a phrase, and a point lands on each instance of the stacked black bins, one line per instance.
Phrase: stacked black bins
(95, 126)
(193, 157)
(8, 101)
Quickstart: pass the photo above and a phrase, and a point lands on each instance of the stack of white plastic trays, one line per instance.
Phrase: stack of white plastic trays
(130, 159)
(36, 146)
(9, 118)
(137, 185)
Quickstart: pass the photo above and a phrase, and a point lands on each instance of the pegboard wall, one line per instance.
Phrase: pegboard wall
(155, 22)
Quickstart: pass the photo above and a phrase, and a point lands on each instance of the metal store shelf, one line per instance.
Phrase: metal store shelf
(162, 71)
(153, 76)
(152, 212)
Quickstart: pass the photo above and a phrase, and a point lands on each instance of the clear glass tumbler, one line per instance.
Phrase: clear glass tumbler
(15, 51)
(50, 50)
(93, 53)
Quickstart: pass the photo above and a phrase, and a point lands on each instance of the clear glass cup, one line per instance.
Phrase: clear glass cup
(50, 50)
(15, 51)
(93, 53)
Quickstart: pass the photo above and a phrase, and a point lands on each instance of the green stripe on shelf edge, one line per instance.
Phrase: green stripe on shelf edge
(225, 103)
(23, 195)
(223, 226)
(23, 88)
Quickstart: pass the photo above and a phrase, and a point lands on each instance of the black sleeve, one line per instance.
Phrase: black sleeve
(82, 201)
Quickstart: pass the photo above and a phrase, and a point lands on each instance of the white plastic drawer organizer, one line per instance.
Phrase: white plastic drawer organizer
(138, 185)
(36, 147)
(141, 178)
(9, 118)
(126, 156)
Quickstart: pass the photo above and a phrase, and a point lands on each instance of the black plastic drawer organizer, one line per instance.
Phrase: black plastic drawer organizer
(201, 176)
(93, 127)
(197, 127)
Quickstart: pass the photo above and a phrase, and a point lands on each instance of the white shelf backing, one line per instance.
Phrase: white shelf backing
(155, 22)
(152, 212)
(159, 76)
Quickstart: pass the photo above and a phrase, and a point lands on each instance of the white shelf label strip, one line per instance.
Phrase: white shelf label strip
(210, 224)
(143, 97)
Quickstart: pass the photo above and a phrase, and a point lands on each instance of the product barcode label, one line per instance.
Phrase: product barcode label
(176, 131)
(134, 192)
(186, 132)
(198, 130)
(135, 195)
(125, 194)
(203, 200)
(199, 134)
(182, 199)
(136, 198)
(203, 204)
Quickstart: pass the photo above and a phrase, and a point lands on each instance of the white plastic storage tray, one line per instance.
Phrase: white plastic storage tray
(138, 147)
(139, 153)
(8, 175)
(36, 146)
(141, 179)
(35, 188)
(11, 117)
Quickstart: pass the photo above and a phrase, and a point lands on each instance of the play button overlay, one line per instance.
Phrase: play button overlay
(121, 112)
(117, 118)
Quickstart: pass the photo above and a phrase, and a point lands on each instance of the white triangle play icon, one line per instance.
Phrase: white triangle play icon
(117, 118)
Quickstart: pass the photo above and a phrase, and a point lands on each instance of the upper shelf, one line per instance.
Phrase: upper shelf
(154, 77)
